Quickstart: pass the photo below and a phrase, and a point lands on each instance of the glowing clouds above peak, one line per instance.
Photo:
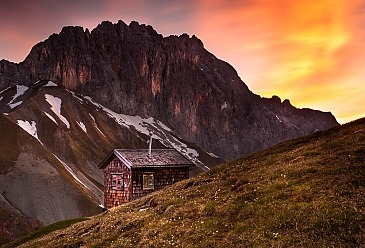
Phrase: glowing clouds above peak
(300, 50)
(310, 52)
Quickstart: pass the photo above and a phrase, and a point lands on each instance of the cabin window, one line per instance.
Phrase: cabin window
(117, 181)
(148, 181)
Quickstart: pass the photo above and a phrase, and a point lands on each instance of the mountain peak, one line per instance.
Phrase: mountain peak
(132, 69)
(72, 30)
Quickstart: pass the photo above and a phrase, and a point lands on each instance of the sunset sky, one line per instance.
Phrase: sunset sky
(311, 52)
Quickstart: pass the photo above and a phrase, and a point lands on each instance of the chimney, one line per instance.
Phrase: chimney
(150, 144)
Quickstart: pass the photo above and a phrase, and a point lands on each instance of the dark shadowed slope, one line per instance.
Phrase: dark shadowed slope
(307, 192)
(14, 225)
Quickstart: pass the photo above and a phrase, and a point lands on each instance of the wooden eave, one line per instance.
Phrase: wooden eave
(116, 153)
(106, 160)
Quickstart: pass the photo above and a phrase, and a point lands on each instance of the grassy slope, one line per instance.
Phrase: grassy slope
(43, 231)
(307, 192)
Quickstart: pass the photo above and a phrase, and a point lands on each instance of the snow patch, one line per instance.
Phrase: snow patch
(96, 126)
(1, 98)
(278, 118)
(152, 121)
(20, 90)
(13, 105)
(82, 125)
(29, 127)
(76, 96)
(213, 155)
(50, 83)
(4, 90)
(51, 117)
(160, 132)
(92, 117)
(56, 104)
(73, 174)
(224, 106)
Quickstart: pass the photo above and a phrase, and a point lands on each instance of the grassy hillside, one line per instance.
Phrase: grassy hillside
(308, 192)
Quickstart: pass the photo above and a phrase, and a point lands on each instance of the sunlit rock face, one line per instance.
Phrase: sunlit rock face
(132, 69)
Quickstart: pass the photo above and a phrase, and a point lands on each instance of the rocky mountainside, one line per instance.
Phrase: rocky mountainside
(51, 142)
(131, 69)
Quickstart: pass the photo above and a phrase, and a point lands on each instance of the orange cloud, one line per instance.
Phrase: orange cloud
(306, 51)
(310, 52)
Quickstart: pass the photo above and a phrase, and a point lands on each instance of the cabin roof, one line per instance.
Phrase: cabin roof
(139, 158)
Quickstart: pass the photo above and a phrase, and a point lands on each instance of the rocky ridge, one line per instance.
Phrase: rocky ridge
(131, 69)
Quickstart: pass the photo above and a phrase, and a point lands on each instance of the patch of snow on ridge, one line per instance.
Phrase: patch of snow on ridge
(51, 117)
(160, 132)
(92, 117)
(29, 127)
(278, 118)
(20, 90)
(50, 83)
(96, 126)
(213, 155)
(13, 105)
(82, 125)
(76, 96)
(56, 103)
(152, 121)
(71, 172)
(5, 90)
(1, 98)
(224, 106)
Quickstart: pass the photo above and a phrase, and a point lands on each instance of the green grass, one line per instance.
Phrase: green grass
(43, 231)
(308, 192)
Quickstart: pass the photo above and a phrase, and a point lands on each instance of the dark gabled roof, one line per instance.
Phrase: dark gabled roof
(140, 158)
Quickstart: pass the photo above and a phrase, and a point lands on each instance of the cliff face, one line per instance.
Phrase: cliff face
(134, 70)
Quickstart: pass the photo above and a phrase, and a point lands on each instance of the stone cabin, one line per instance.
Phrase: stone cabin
(131, 174)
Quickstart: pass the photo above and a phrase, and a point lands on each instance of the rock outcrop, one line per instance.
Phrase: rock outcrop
(132, 69)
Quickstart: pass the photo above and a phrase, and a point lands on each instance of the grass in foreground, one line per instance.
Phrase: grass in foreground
(308, 192)
(43, 231)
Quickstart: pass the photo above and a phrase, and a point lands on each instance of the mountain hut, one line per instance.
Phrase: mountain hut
(131, 174)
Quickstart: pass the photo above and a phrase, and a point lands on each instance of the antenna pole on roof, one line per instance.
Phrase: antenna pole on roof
(150, 144)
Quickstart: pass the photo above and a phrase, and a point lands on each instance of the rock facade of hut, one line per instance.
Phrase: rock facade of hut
(131, 174)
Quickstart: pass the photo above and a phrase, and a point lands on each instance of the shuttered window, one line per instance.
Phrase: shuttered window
(117, 181)
(148, 181)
